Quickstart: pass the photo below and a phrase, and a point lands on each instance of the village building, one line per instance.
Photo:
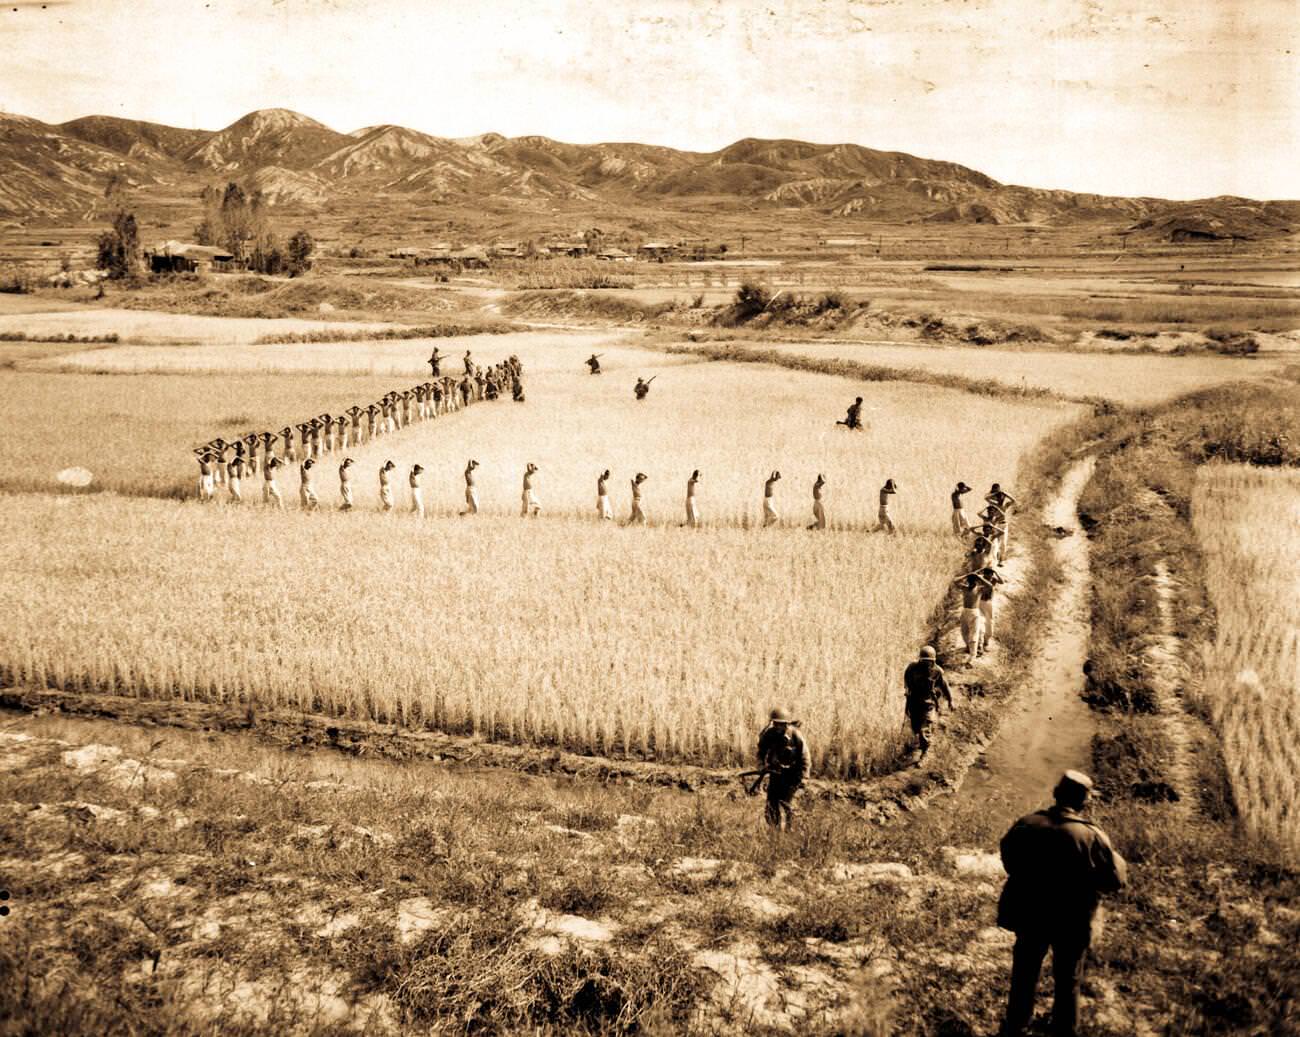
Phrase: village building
(657, 251)
(614, 255)
(177, 257)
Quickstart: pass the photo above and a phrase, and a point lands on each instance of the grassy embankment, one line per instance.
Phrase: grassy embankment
(1166, 795)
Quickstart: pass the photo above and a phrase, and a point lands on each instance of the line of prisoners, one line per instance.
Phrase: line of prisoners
(327, 433)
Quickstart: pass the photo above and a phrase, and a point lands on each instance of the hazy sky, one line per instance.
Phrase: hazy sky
(1178, 98)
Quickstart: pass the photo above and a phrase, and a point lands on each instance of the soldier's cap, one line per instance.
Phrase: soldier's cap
(927, 652)
(1075, 780)
(780, 715)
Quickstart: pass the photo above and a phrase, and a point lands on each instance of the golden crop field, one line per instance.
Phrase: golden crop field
(650, 643)
(1130, 379)
(134, 433)
(1248, 523)
(734, 422)
(398, 358)
(659, 643)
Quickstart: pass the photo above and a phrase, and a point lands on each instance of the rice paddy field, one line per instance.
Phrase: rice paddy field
(134, 434)
(647, 643)
(1129, 379)
(1248, 523)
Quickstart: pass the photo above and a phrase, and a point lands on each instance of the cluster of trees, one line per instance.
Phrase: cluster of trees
(119, 248)
(237, 220)
(233, 219)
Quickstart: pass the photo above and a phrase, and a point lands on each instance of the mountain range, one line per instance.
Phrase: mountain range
(55, 171)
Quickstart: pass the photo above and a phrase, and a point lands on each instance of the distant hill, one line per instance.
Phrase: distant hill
(61, 170)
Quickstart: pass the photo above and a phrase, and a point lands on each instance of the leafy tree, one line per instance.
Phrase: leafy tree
(119, 248)
(300, 248)
(234, 219)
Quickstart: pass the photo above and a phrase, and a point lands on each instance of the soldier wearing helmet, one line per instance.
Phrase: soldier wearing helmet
(924, 682)
(1058, 864)
(783, 754)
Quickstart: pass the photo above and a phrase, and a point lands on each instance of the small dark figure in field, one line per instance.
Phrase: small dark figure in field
(642, 388)
(435, 363)
(345, 484)
(959, 522)
(924, 682)
(1059, 865)
(306, 490)
(638, 516)
(783, 756)
(819, 508)
(471, 490)
(207, 478)
(692, 505)
(883, 521)
(853, 419)
(270, 491)
(517, 390)
(593, 362)
(770, 516)
(603, 508)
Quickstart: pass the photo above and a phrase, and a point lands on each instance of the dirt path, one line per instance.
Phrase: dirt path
(1048, 727)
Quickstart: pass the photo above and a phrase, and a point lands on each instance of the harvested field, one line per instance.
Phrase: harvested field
(1248, 523)
(134, 434)
(557, 351)
(1129, 380)
(151, 328)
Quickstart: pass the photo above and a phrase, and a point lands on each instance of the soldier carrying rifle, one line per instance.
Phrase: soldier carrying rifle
(593, 362)
(642, 389)
(783, 760)
(924, 682)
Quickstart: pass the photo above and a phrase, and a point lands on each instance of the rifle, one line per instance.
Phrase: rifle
(752, 790)
(652, 379)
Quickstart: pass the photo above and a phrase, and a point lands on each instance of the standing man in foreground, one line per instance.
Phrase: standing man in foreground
(1059, 864)
(783, 754)
(924, 683)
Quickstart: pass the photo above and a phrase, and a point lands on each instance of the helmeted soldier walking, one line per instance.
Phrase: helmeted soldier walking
(1058, 864)
(783, 754)
(924, 682)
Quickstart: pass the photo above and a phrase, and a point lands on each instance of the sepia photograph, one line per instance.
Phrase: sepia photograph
(662, 517)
